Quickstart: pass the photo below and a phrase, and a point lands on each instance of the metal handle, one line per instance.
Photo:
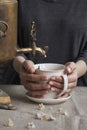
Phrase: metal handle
(3, 29)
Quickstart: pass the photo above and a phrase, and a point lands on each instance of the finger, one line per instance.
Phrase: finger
(69, 90)
(29, 66)
(57, 79)
(37, 93)
(33, 77)
(69, 67)
(37, 96)
(55, 90)
(36, 87)
(56, 84)
(63, 96)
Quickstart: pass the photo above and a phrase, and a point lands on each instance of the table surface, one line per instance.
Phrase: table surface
(75, 107)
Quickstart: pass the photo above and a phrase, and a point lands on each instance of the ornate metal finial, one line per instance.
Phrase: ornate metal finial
(33, 42)
(33, 32)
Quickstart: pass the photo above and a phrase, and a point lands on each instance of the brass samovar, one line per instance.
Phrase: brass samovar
(8, 41)
(8, 33)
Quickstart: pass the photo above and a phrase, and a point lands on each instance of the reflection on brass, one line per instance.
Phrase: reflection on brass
(34, 49)
(3, 29)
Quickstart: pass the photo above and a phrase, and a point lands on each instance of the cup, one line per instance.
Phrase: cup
(52, 69)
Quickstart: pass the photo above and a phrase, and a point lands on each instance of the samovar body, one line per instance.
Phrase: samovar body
(8, 29)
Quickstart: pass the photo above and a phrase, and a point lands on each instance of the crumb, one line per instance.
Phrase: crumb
(44, 116)
(30, 125)
(51, 118)
(41, 106)
(62, 112)
(10, 123)
(39, 115)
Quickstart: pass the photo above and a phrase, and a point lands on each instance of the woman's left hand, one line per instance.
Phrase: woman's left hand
(57, 82)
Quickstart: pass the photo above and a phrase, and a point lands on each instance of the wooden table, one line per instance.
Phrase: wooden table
(76, 108)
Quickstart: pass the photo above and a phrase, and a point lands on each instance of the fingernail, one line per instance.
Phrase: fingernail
(52, 89)
(51, 83)
(69, 69)
(53, 78)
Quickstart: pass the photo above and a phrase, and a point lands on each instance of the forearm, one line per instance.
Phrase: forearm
(17, 63)
(81, 68)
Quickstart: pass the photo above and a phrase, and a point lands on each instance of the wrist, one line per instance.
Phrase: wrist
(81, 68)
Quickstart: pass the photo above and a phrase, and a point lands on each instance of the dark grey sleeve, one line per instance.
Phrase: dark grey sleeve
(83, 54)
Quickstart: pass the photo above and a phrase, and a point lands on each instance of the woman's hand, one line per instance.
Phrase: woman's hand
(30, 80)
(57, 83)
(71, 71)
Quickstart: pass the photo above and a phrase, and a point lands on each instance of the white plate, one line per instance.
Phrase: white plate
(48, 101)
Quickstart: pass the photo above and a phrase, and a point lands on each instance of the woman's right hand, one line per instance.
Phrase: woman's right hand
(30, 79)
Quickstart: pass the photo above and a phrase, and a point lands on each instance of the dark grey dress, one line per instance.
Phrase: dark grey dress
(60, 24)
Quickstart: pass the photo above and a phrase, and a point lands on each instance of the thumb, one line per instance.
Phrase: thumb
(69, 67)
(28, 65)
